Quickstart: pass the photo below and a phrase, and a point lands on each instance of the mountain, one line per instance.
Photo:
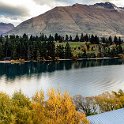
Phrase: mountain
(4, 28)
(106, 5)
(102, 19)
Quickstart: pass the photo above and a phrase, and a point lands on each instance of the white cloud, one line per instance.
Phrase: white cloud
(30, 6)
(117, 2)
(37, 7)
(9, 20)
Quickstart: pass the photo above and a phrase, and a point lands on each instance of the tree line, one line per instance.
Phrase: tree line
(44, 47)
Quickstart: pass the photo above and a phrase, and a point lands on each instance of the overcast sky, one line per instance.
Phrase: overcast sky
(16, 11)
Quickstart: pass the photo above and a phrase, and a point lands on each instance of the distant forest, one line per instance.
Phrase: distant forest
(50, 47)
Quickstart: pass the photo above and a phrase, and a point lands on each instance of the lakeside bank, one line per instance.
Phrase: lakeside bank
(79, 59)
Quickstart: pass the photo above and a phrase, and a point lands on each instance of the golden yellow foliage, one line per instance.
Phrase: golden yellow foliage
(58, 109)
(110, 101)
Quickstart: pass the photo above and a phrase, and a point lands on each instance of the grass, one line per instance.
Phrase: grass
(78, 47)
(72, 44)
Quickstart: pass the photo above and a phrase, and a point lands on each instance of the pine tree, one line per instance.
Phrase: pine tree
(110, 40)
(68, 53)
(82, 38)
(115, 40)
(76, 38)
(66, 38)
(70, 39)
(86, 38)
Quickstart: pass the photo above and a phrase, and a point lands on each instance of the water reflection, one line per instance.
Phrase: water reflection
(11, 71)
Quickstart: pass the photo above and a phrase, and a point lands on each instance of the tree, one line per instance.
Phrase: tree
(92, 39)
(51, 38)
(87, 105)
(50, 49)
(5, 109)
(56, 37)
(120, 41)
(82, 38)
(103, 40)
(1, 51)
(22, 109)
(66, 38)
(25, 37)
(110, 40)
(1, 39)
(119, 49)
(115, 40)
(42, 38)
(86, 38)
(60, 51)
(60, 109)
(45, 38)
(96, 40)
(29, 53)
(76, 38)
(70, 39)
(68, 53)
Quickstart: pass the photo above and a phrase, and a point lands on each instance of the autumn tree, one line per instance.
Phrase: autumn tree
(58, 109)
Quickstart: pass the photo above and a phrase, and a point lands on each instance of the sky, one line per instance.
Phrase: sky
(17, 11)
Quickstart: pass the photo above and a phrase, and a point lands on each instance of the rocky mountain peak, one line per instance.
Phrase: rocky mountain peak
(76, 4)
(107, 5)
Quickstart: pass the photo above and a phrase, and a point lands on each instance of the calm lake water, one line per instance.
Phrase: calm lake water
(86, 78)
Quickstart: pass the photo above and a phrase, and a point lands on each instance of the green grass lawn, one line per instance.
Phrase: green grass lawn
(78, 47)
(72, 44)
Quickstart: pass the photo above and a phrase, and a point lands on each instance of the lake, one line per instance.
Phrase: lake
(86, 78)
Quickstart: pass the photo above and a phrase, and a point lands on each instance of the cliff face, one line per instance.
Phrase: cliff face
(5, 27)
(101, 19)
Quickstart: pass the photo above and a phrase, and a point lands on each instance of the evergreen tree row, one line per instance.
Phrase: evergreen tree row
(43, 47)
(33, 48)
(94, 39)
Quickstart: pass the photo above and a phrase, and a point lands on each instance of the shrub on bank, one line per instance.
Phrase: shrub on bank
(99, 104)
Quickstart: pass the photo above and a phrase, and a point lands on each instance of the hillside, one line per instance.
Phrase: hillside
(100, 18)
(5, 27)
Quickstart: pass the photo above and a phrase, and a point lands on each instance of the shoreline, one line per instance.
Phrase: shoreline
(79, 59)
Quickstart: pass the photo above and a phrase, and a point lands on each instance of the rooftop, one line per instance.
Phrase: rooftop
(112, 117)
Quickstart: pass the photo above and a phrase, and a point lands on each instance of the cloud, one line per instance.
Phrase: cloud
(54, 3)
(13, 11)
(70, 2)
(16, 11)
(10, 20)
(48, 1)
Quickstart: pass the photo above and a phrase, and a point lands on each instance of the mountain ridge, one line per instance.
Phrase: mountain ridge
(5, 27)
(100, 18)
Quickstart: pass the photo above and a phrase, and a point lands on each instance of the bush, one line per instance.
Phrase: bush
(91, 55)
(99, 104)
